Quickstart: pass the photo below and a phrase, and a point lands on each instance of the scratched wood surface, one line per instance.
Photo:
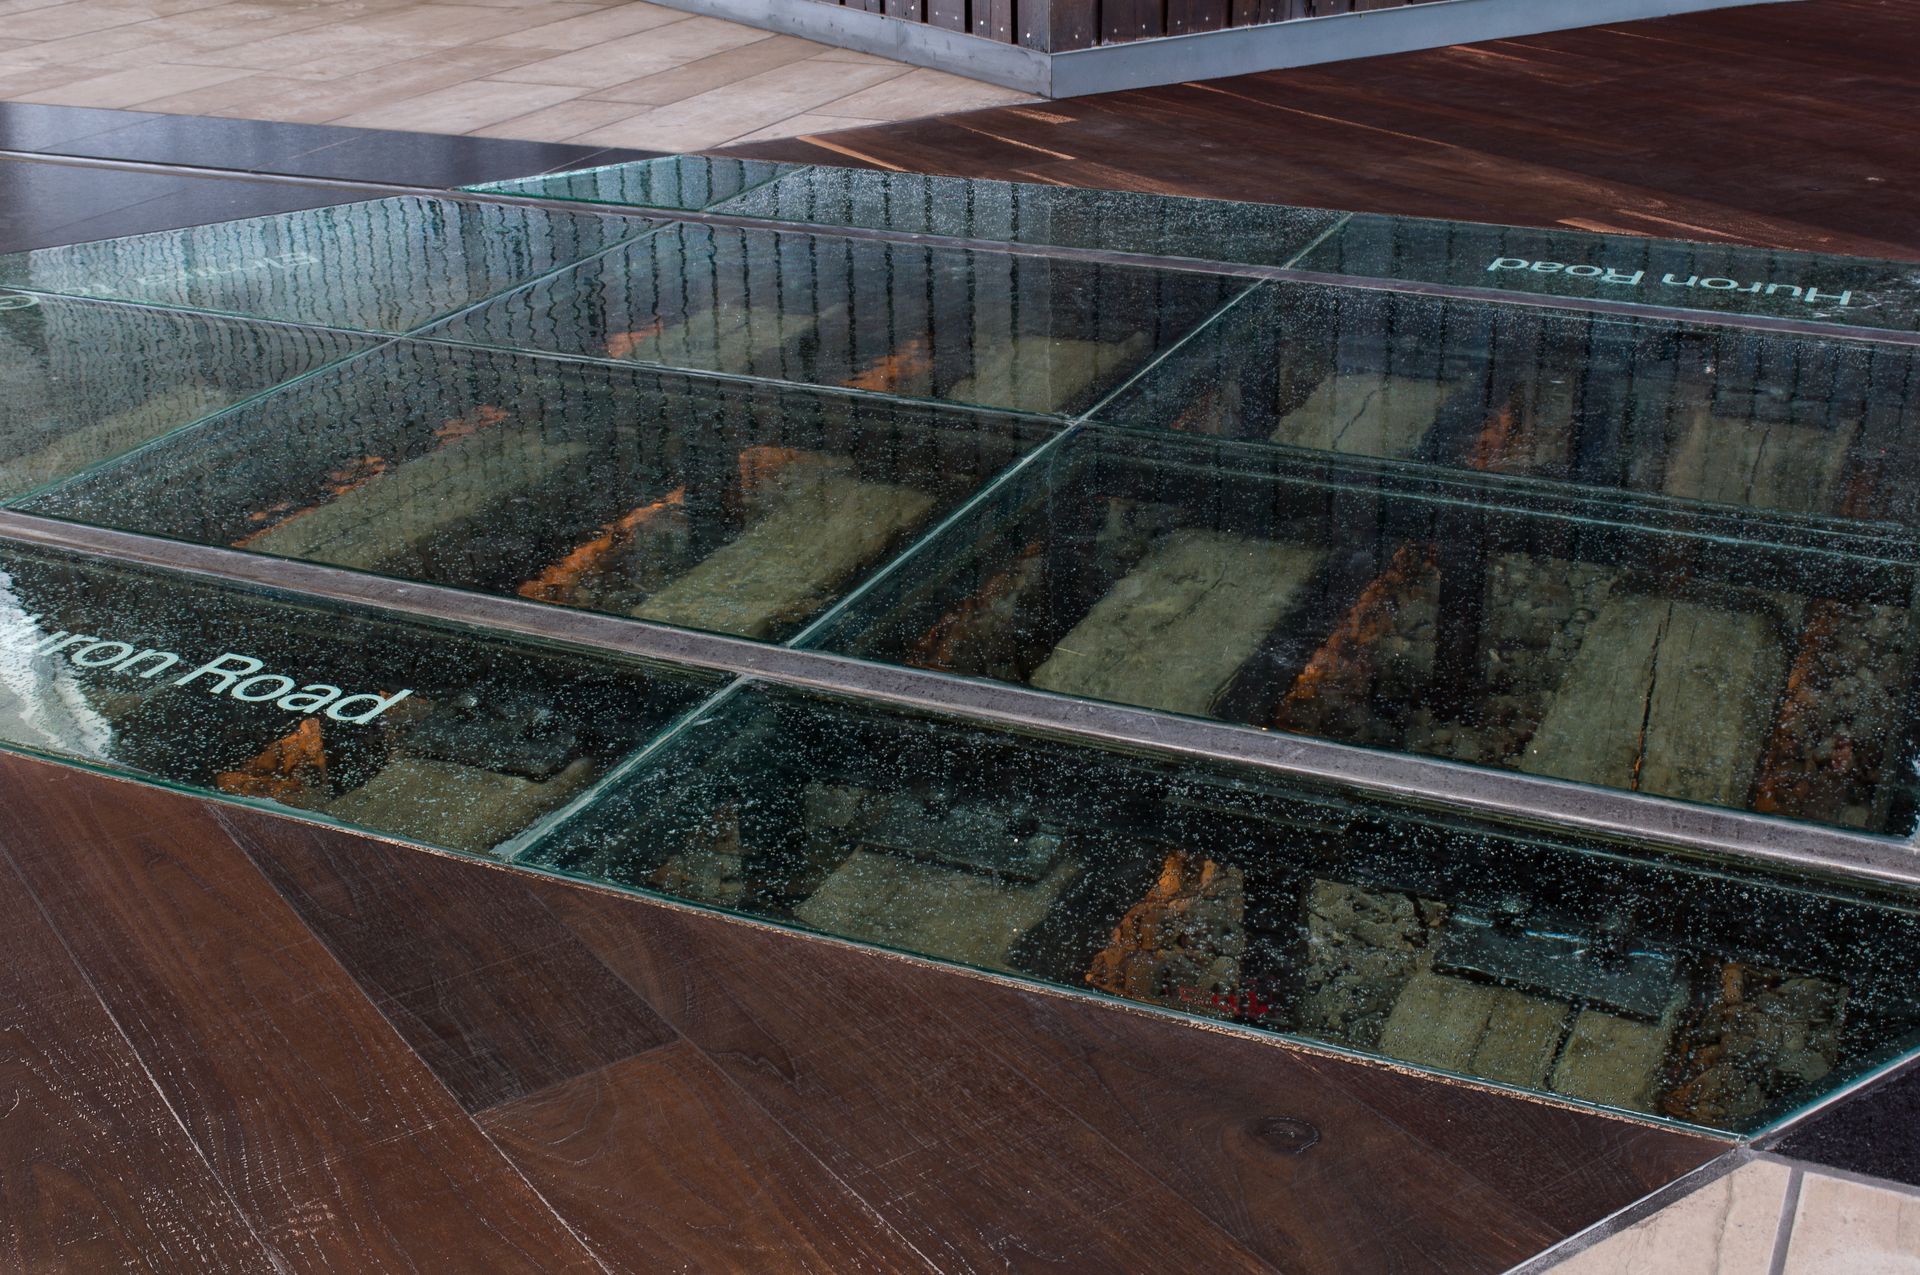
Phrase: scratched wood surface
(233, 1040)
(1782, 125)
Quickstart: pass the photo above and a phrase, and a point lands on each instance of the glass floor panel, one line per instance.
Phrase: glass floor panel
(1728, 278)
(1570, 968)
(733, 506)
(389, 265)
(405, 728)
(1583, 265)
(1673, 555)
(673, 181)
(987, 329)
(1687, 411)
(81, 381)
(1015, 212)
(1234, 582)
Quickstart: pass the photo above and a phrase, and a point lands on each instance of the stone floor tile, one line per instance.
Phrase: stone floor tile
(1844, 1227)
(1727, 1227)
(460, 108)
(565, 121)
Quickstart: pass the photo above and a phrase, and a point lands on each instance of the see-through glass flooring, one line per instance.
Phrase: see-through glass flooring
(1472, 647)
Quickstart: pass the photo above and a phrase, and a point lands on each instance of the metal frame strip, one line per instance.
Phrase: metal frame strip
(1543, 803)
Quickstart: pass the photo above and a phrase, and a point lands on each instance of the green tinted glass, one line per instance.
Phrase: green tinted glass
(983, 328)
(81, 381)
(1014, 212)
(672, 181)
(409, 729)
(1687, 413)
(1729, 278)
(726, 505)
(385, 266)
(1682, 656)
(1562, 967)
(1671, 554)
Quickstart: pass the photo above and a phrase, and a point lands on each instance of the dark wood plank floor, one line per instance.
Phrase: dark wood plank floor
(1783, 125)
(233, 1040)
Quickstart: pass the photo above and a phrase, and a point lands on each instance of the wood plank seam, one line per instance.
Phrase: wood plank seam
(750, 1099)
(146, 1071)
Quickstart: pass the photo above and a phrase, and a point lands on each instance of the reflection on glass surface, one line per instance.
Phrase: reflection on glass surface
(1570, 263)
(672, 181)
(970, 327)
(81, 381)
(1693, 413)
(1243, 584)
(404, 728)
(1657, 987)
(386, 266)
(724, 505)
(1117, 220)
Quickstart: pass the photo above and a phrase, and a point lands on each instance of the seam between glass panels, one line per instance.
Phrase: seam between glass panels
(721, 204)
(378, 190)
(241, 315)
(1055, 419)
(1761, 1138)
(1455, 486)
(1154, 363)
(996, 484)
(547, 825)
(966, 507)
(55, 485)
(134, 303)
(1338, 225)
(492, 188)
(654, 227)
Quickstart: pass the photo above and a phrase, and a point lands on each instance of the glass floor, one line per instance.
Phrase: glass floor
(1490, 650)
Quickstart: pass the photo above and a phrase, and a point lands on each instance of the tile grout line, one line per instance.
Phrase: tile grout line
(1814, 1168)
(1783, 1231)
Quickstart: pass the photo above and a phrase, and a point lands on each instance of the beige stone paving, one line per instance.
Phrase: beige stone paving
(596, 72)
(1750, 1222)
(1727, 1227)
(1855, 1228)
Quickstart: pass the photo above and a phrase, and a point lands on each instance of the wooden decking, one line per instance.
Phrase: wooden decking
(1783, 125)
(234, 1040)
